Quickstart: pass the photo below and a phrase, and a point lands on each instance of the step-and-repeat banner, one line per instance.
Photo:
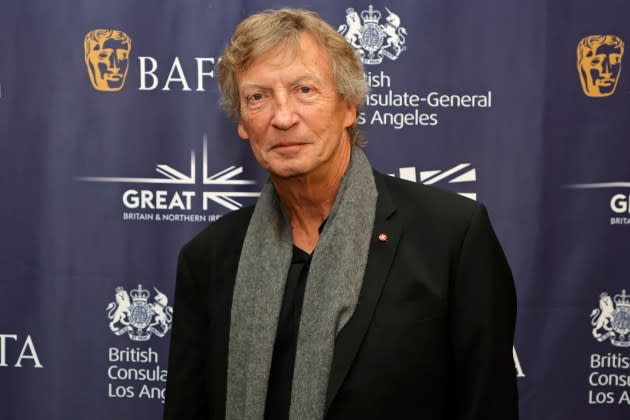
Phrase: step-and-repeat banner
(114, 152)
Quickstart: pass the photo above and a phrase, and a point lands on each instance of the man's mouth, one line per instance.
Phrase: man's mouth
(287, 144)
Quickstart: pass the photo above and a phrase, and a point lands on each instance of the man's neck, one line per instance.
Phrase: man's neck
(307, 201)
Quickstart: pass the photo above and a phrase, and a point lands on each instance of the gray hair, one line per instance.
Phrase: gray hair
(265, 31)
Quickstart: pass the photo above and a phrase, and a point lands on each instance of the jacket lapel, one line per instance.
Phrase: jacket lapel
(380, 258)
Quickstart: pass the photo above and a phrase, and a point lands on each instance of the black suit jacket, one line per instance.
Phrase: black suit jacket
(431, 336)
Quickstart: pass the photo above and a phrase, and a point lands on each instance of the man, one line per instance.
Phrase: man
(344, 294)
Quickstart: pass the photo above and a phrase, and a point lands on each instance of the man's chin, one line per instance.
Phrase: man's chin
(287, 173)
(287, 166)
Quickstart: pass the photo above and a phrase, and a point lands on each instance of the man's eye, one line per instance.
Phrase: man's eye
(256, 96)
(305, 89)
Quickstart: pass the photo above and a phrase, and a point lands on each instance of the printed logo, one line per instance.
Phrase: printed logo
(27, 351)
(177, 205)
(138, 317)
(461, 173)
(107, 58)
(373, 40)
(612, 319)
(619, 203)
(388, 104)
(599, 64)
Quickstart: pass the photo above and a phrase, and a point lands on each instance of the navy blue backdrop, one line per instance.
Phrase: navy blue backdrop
(114, 153)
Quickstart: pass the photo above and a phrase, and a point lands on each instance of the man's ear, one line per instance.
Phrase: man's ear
(350, 115)
(242, 133)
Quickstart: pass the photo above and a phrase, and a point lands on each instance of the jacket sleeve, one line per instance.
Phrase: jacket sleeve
(186, 388)
(482, 322)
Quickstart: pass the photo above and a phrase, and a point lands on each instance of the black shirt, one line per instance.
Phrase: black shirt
(283, 359)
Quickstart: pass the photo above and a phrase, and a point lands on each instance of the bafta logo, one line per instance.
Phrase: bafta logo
(107, 58)
(599, 64)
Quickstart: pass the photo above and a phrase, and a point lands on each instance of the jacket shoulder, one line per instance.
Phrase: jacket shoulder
(427, 203)
(229, 229)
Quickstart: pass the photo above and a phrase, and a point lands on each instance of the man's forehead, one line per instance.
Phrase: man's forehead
(307, 58)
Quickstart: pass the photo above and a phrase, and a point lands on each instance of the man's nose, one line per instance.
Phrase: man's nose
(284, 116)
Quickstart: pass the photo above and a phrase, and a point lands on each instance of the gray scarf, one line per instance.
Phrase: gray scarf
(332, 292)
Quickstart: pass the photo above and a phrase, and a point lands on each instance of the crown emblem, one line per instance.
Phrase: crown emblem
(140, 295)
(370, 15)
(622, 300)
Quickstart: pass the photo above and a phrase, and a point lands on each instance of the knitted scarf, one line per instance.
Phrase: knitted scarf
(332, 292)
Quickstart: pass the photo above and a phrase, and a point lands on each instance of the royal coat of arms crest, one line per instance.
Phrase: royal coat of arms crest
(371, 39)
(138, 317)
(612, 319)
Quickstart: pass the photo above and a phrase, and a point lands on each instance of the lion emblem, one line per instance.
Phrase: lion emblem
(352, 29)
(601, 318)
(119, 310)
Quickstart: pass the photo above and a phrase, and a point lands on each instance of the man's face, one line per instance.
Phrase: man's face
(108, 64)
(599, 70)
(292, 114)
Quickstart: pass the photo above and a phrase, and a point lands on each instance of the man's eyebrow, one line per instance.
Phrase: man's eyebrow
(305, 78)
(300, 79)
(251, 85)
